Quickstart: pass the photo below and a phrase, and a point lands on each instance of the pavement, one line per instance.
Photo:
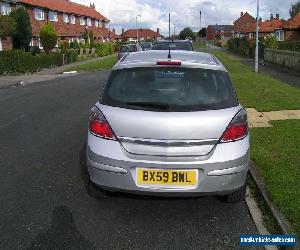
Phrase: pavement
(262, 119)
(44, 75)
(43, 200)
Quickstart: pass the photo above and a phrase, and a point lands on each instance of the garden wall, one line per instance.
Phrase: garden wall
(290, 59)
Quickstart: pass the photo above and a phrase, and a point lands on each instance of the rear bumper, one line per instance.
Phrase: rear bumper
(221, 172)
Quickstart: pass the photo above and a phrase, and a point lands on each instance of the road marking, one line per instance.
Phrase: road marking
(12, 121)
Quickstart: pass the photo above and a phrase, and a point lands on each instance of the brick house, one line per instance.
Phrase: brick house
(268, 27)
(243, 24)
(5, 9)
(224, 30)
(291, 29)
(144, 34)
(69, 19)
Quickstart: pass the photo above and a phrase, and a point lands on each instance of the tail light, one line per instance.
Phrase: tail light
(237, 129)
(99, 126)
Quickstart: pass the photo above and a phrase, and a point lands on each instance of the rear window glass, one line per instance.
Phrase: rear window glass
(127, 48)
(169, 89)
(173, 46)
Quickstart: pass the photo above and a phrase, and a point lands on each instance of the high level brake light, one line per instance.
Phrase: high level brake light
(237, 129)
(99, 126)
(169, 63)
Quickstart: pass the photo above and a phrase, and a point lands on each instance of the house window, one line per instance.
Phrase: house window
(66, 18)
(39, 14)
(279, 35)
(89, 21)
(20, 6)
(106, 24)
(82, 21)
(53, 16)
(97, 23)
(251, 36)
(72, 19)
(5, 8)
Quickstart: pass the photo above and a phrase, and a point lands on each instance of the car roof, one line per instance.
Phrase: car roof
(189, 59)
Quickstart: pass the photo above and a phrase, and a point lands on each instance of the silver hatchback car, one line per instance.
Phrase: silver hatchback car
(168, 125)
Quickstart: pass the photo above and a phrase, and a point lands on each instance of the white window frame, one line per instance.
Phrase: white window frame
(72, 19)
(39, 14)
(66, 18)
(55, 17)
(97, 23)
(106, 24)
(251, 35)
(5, 8)
(20, 6)
(89, 21)
(82, 21)
(279, 35)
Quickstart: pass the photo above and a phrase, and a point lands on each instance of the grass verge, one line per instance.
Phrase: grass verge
(275, 152)
(102, 64)
(259, 91)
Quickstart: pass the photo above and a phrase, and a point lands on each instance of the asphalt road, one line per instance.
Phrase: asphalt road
(43, 200)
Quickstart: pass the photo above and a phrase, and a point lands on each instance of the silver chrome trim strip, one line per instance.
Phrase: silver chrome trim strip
(107, 167)
(228, 171)
(174, 143)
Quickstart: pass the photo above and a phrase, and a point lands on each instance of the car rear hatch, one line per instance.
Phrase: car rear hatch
(169, 110)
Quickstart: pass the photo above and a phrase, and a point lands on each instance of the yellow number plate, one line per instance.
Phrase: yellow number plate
(157, 177)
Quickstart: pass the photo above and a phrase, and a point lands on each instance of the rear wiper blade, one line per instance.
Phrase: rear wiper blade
(157, 105)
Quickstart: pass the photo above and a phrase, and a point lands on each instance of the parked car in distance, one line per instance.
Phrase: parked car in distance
(128, 48)
(174, 45)
(146, 46)
(168, 126)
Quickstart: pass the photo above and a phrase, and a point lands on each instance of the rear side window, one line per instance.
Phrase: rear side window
(169, 89)
(128, 48)
(173, 46)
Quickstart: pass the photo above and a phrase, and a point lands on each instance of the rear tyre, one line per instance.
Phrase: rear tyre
(237, 196)
(96, 192)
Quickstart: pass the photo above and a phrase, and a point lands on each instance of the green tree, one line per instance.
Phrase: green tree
(186, 32)
(7, 26)
(202, 32)
(48, 37)
(22, 34)
(295, 9)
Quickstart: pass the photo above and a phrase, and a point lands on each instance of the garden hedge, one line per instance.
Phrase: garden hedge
(20, 62)
(293, 46)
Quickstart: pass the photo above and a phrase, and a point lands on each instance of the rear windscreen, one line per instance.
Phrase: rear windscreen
(173, 46)
(127, 48)
(169, 89)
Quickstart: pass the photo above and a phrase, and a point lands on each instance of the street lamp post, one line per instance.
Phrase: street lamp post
(136, 26)
(257, 28)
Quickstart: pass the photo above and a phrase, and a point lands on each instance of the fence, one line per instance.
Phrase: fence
(290, 59)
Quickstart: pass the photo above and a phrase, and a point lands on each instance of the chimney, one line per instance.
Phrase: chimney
(122, 31)
(271, 18)
(92, 5)
(277, 16)
(157, 30)
(260, 19)
(114, 30)
(242, 13)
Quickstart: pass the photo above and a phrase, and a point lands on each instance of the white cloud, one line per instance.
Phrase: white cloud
(122, 13)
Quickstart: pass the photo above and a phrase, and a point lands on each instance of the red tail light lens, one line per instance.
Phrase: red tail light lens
(99, 126)
(237, 129)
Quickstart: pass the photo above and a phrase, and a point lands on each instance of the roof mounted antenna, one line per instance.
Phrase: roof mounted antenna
(169, 55)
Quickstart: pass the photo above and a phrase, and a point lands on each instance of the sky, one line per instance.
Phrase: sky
(184, 13)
